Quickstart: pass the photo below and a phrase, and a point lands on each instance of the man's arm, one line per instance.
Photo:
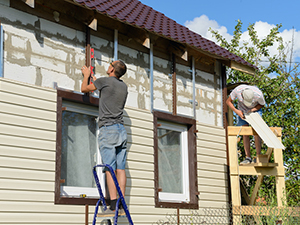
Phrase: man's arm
(256, 108)
(85, 87)
(231, 106)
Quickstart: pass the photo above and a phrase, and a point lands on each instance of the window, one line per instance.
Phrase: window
(175, 161)
(77, 149)
(173, 171)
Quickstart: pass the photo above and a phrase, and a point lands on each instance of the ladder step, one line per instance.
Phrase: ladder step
(262, 158)
(102, 216)
(270, 165)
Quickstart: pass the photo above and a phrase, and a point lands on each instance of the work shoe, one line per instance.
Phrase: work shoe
(246, 161)
(107, 213)
(111, 213)
(122, 212)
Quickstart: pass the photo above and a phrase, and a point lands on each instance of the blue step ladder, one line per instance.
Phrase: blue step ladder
(102, 200)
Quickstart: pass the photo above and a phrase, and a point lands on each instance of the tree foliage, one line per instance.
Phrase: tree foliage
(278, 78)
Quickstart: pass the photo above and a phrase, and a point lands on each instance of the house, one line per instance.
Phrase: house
(174, 115)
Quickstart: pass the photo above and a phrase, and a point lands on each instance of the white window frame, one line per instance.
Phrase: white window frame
(73, 191)
(185, 196)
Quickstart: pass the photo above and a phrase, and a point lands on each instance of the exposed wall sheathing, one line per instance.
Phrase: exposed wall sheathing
(41, 52)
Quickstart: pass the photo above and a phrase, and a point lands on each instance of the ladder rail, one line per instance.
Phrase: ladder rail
(121, 197)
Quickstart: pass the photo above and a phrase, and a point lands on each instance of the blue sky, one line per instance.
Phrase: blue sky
(221, 15)
(226, 12)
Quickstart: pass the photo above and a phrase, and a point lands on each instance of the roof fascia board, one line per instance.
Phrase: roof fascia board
(242, 68)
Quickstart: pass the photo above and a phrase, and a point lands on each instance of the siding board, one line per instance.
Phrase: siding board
(17, 173)
(24, 163)
(27, 102)
(29, 185)
(24, 111)
(27, 122)
(26, 132)
(27, 143)
(36, 92)
(11, 151)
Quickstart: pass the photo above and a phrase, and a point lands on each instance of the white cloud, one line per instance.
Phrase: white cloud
(202, 24)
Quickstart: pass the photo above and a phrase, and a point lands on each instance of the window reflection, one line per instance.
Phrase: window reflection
(79, 148)
(169, 161)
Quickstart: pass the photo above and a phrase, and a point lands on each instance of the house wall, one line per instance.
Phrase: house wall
(38, 53)
(27, 161)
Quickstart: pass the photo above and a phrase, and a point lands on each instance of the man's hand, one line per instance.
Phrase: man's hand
(85, 87)
(86, 71)
(240, 114)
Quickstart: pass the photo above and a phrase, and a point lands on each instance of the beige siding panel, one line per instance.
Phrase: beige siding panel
(15, 173)
(32, 196)
(143, 166)
(150, 210)
(221, 153)
(27, 112)
(145, 192)
(212, 196)
(140, 174)
(30, 185)
(11, 86)
(215, 190)
(212, 167)
(27, 122)
(143, 115)
(139, 200)
(211, 138)
(142, 158)
(140, 149)
(212, 204)
(133, 122)
(27, 143)
(139, 131)
(42, 218)
(133, 139)
(210, 174)
(27, 163)
(27, 132)
(210, 159)
(26, 101)
(212, 145)
(213, 130)
(39, 207)
(27, 153)
(134, 182)
(210, 182)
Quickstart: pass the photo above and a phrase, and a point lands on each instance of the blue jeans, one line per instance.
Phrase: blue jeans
(241, 122)
(112, 141)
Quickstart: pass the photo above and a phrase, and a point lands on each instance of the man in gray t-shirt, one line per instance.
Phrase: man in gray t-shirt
(112, 134)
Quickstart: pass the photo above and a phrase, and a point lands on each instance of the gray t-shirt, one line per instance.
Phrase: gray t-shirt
(112, 97)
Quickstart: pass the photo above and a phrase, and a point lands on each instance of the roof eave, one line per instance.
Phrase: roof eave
(242, 68)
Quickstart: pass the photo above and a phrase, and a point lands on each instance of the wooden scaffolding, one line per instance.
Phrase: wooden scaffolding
(261, 168)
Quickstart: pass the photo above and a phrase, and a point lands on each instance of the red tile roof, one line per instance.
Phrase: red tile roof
(136, 13)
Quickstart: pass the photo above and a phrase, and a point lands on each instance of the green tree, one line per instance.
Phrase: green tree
(278, 78)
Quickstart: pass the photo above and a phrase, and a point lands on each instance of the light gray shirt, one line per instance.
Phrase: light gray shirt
(257, 99)
(112, 98)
